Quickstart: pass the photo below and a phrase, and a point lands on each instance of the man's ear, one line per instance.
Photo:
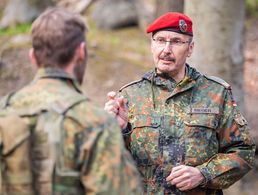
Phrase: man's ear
(32, 57)
(82, 51)
(191, 47)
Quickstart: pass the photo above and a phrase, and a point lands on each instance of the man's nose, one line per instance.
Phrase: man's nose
(168, 47)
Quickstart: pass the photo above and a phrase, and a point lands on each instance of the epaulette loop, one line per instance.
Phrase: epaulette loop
(219, 80)
(129, 84)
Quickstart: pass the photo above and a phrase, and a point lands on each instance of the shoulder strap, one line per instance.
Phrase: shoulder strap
(129, 84)
(50, 124)
(47, 152)
(219, 80)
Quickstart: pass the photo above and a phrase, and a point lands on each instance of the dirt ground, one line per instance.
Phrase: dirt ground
(115, 63)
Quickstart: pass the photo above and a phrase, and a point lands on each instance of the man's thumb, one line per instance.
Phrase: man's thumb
(122, 102)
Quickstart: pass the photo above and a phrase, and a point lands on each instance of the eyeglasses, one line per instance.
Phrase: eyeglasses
(161, 42)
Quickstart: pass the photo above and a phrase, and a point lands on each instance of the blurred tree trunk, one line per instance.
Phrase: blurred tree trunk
(77, 6)
(169, 5)
(219, 40)
(22, 11)
(145, 10)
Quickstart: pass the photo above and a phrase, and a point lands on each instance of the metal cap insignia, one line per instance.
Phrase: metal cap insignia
(182, 26)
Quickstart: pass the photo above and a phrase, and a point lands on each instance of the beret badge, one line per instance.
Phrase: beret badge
(182, 26)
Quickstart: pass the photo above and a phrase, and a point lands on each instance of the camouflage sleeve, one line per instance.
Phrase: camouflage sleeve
(236, 149)
(106, 166)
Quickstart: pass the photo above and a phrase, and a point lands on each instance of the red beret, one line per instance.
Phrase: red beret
(172, 21)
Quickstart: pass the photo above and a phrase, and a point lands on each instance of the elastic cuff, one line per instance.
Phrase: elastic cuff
(127, 131)
(207, 176)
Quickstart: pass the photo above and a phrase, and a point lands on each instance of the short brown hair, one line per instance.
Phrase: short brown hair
(56, 34)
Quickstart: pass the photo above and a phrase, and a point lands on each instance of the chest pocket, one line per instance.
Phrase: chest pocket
(145, 120)
(145, 139)
(200, 137)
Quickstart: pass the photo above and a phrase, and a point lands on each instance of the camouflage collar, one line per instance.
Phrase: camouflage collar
(56, 73)
(192, 72)
(166, 81)
(163, 80)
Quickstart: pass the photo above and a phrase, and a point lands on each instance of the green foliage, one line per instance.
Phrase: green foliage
(252, 7)
(21, 28)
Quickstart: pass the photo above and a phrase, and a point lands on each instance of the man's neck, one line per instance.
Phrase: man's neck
(69, 69)
(177, 76)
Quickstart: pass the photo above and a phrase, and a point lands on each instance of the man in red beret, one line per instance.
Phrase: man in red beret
(183, 129)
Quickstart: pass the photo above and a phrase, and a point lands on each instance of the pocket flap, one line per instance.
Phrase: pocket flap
(13, 132)
(202, 120)
(146, 121)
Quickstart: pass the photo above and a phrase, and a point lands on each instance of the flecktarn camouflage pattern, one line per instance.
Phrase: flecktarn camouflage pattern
(195, 122)
(55, 141)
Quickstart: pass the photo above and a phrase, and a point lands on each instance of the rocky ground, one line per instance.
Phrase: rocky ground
(117, 57)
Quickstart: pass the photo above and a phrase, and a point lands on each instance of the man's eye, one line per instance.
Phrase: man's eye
(161, 40)
(176, 41)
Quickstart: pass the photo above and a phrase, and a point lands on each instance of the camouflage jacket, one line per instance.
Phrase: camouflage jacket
(75, 148)
(195, 122)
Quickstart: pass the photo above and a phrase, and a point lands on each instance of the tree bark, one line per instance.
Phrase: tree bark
(169, 6)
(219, 40)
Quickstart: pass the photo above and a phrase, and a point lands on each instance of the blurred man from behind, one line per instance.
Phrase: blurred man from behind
(53, 140)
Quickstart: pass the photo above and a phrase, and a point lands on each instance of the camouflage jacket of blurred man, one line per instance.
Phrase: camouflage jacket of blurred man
(184, 129)
(53, 140)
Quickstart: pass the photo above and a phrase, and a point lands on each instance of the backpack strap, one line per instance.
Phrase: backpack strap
(48, 153)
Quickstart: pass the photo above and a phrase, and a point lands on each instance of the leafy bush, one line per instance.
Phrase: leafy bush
(21, 28)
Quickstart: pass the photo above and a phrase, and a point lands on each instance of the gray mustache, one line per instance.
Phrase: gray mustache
(168, 59)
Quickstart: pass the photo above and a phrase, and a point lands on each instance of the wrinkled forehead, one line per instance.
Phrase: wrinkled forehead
(170, 34)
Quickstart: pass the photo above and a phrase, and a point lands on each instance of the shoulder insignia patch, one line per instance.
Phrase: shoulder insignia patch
(219, 80)
(129, 84)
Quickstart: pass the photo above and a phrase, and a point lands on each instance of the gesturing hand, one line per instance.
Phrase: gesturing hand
(118, 107)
